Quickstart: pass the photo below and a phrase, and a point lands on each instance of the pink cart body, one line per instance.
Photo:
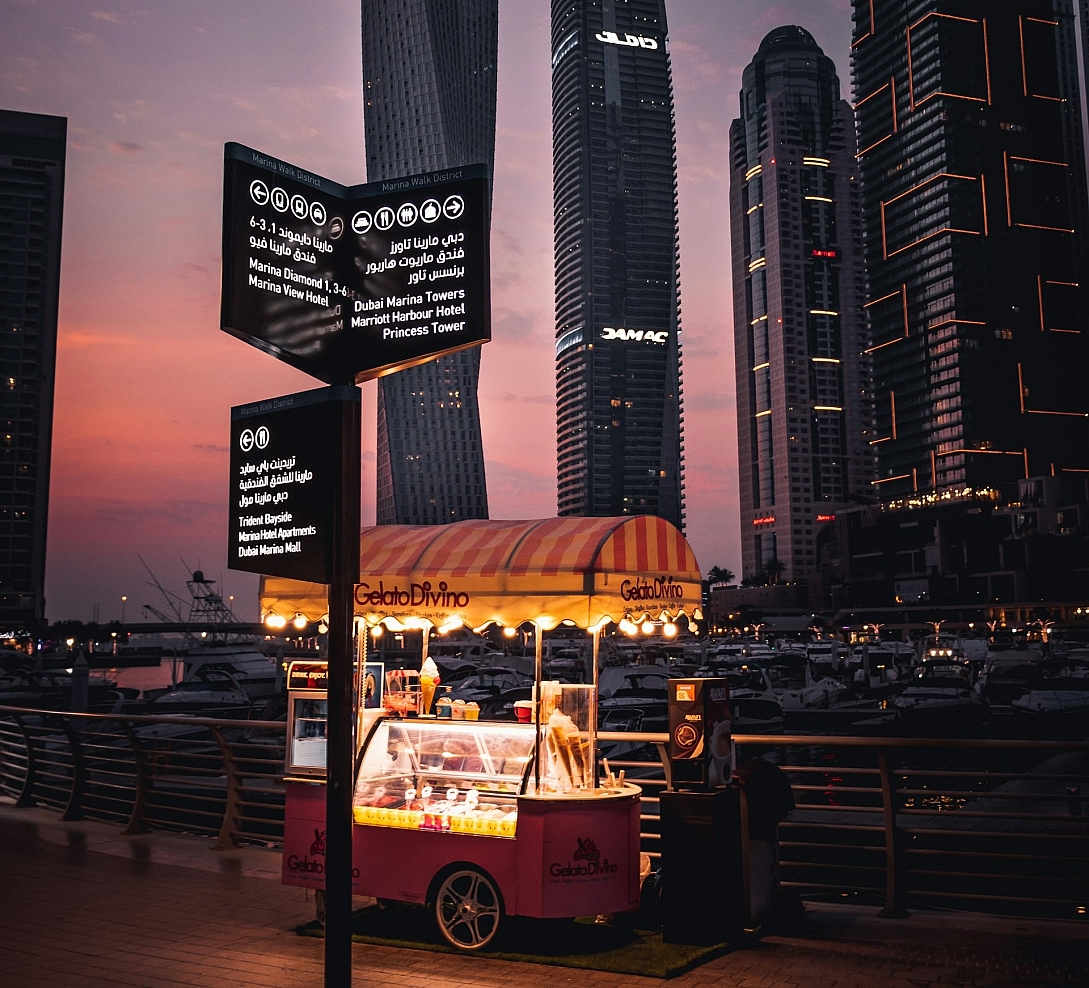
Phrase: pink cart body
(570, 857)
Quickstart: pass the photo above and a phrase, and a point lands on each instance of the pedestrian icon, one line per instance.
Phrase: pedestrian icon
(260, 437)
(454, 207)
(430, 211)
(258, 192)
(246, 440)
(361, 222)
(299, 207)
(407, 214)
(317, 213)
(383, 219)
(280, 201)
(336, 227)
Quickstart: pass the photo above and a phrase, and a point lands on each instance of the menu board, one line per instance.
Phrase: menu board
(285, 458)
(348, 283)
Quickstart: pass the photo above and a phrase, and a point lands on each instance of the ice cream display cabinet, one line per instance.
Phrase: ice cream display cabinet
(447, 816)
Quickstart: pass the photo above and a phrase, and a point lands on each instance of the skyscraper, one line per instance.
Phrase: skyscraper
(972, 164)
(618, 368)
(429, 104)
(804, 407)
(32, 154)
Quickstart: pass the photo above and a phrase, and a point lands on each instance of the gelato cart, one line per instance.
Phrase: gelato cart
(480, 819)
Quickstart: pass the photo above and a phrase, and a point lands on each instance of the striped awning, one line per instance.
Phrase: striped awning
(585, 570)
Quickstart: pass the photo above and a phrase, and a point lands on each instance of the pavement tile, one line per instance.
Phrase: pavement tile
(87, 917)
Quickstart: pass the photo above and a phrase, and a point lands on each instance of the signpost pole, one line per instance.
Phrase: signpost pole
(340, 751)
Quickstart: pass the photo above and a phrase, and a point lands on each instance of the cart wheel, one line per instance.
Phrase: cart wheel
(468, 909)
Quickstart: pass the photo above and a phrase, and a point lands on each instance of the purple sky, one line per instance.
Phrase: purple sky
(145, 378)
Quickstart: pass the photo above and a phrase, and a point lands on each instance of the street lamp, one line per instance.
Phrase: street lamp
(123, 599)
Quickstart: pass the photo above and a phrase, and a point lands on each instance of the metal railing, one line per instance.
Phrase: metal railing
(221, 778)
(974, 824)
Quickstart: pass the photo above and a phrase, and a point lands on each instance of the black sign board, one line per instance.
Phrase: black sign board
(350, 283)
(285, 458)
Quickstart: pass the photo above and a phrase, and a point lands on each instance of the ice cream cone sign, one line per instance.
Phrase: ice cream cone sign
(429, 679)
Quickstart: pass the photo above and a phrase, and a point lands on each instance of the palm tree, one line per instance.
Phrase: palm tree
(720, 574)
(775, 568)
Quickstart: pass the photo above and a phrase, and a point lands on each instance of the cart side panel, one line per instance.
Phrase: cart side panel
(588, 861)
(400, 864)
(303, 860)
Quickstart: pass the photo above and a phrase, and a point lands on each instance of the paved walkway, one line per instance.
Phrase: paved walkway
(85, 907)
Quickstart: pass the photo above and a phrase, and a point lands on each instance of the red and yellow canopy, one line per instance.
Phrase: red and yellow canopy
(584, 570)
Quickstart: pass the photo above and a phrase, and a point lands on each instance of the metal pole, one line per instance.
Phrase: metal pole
(594, 701)
(538, 674)
(339, 753)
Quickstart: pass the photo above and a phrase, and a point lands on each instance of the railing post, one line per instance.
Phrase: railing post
(893, 906)
(73, 809)
(136, 823)
(667, 765)
(232, 809)
(26, 797)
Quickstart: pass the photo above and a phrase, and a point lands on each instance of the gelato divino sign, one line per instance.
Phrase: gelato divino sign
(348, 283)
(439, 595)
(660, 588)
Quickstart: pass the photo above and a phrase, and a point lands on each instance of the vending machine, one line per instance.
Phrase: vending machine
(307, 716)
(700, 745)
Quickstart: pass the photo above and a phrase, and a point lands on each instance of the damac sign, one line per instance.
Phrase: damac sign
(662, 588)
(634, 335)
(417, 595)
(628, 41)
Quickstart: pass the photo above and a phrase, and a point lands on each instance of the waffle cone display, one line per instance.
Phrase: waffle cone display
(569, 753)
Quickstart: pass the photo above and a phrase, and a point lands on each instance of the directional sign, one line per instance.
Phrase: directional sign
(284, 460)
(350, 283)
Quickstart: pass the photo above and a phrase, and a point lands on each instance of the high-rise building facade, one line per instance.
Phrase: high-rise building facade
(972, 164)
(429, 104)
(32, 155)
(804, 408)
(618, 367)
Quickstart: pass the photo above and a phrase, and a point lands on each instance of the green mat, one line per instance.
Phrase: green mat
(579, 944)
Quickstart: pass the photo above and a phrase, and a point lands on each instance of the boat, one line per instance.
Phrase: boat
(754, 707)
(623, 692)
(1056, 705)
(212, 657)
(938, 706)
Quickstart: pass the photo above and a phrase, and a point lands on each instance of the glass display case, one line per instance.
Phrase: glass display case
(442, 775)
(568, 735)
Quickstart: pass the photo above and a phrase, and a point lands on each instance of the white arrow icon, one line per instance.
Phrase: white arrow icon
(453, 207)
(246, 440)
(258, 192)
